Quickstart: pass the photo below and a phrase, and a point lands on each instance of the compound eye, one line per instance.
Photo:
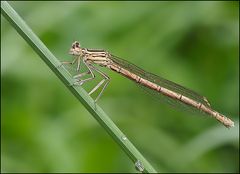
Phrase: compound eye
(73, 45)
(77, 44)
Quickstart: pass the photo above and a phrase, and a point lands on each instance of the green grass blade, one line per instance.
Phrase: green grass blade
(22, 28)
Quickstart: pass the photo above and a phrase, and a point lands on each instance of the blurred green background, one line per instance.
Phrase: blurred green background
(45, 129)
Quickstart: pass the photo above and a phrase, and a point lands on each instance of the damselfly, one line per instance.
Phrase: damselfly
(154, 84)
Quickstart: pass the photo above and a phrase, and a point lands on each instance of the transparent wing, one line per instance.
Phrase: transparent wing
(163, 83)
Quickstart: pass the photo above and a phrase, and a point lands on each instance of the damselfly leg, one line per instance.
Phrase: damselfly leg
(90, 70)
(79, 76)
(71, 63)
(106, 80)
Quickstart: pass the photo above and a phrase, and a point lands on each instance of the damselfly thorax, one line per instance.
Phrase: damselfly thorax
(90, 56)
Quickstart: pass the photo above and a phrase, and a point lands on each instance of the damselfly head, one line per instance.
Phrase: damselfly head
(75, 49)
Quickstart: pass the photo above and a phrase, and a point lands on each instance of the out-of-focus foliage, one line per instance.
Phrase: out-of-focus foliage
(45, 129)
